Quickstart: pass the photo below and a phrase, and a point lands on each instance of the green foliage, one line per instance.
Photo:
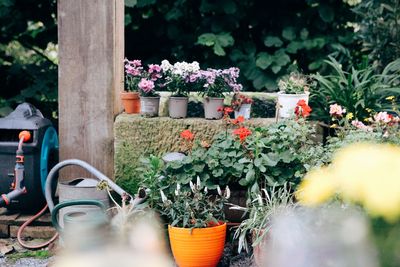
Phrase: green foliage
(28, 55)
(194, 207)
(359, 90)
(261, 210)
(379, 31)
(265, 39)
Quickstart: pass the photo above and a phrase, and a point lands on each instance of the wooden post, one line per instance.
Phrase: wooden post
(90, 77)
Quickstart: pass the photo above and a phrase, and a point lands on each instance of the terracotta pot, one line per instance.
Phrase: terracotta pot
(177, 107)
(287, 103)
(259, 251)
(244, 111)
(211, 106)
(199, 247)
(149, 106)
(131, 102)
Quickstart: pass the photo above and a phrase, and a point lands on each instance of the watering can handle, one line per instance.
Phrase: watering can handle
(76, 162)
(54, 213)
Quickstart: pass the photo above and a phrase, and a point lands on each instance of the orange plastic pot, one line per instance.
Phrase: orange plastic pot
(200, 247)
(131, 102)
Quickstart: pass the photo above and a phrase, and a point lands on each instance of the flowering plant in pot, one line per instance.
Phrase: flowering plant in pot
(196, 224)
(180, 79)
(293, 88)
(216, 82)
(149, 98)
(241, 105)
(130, 97)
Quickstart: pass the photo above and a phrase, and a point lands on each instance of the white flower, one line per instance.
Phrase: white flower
(163, 197)
(260, 201)
(165, 65)
(192, 187)
(227, 192)
(219, 190)
(198, 183)
(205, 190)
(177, 190)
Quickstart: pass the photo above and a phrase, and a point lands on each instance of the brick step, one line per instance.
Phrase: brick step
(10, 221)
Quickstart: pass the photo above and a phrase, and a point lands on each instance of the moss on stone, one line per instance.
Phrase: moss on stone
(137, 137)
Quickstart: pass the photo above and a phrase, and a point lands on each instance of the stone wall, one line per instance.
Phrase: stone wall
(137, 137)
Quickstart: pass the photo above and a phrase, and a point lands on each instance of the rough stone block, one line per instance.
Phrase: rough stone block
(4, 231)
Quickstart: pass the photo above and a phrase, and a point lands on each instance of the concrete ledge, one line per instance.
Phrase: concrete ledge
(137, 137)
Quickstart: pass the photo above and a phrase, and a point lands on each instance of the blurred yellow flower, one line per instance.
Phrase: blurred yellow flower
(367, 174)
(390, 98)
(317, 187)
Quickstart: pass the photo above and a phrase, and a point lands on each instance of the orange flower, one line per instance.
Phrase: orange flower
(242, 133)
(187, 135)
(302, 109)
(239, 119)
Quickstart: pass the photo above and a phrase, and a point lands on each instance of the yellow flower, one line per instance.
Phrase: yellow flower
(390, 98)
(333, 125)
(317, 187)
(349, 116)
(368, 110)
(367, 174)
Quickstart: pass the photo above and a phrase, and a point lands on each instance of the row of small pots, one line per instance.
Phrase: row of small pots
(149, 106)
(177, 106)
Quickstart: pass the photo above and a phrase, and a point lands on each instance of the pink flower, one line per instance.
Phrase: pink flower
(361, 126)
(336, 110)
(146, 85)
(383, 117)
(154, 68)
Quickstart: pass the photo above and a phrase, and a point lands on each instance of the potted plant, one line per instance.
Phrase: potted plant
(241, 104)
(196, 227)
(293, 88)
(149, 98)
(215, 84)
(180, 79)
(130, 97)
(261, 211)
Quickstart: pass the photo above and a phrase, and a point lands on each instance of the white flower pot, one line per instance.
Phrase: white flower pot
(149, 106)
(244, 110)
(287, 103)
(211, 106)
(177, 107)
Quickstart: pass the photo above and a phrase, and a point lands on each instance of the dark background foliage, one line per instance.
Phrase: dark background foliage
(266, 39)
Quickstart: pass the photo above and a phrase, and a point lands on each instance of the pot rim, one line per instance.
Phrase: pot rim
(213, 98)
(185, 228)
(293, 95)
(179, 97)
(150, 97)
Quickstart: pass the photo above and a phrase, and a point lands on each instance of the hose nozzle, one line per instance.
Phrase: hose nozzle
(25, 135)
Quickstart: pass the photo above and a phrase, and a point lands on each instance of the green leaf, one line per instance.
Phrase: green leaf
(250, 175)
(128, 19)
(276, 68)
(288, 33)
(281, 58)
(294, 46)
(207, 39)
(315, 65)
(218, 50)
(229, 6)
(304, 34)
(326, 13)
(130, 3)
(264, 60)
(263, 81)
(225, 39)
(270, 41)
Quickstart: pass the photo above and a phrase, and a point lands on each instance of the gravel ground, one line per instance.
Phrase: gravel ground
(26, 262)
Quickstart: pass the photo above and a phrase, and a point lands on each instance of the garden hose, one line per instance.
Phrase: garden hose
(25, 224)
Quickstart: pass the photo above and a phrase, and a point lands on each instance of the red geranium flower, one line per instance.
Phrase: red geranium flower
(242, 133)
(239, 119)
(187, 135)
(302, 109)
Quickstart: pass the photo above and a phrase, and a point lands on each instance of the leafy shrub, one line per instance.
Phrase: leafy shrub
(360, 91)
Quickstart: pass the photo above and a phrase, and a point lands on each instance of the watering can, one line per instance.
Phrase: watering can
(81, 222)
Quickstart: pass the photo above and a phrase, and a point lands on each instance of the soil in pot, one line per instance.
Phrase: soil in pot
(131, 102)
(211, 107)
(149, 106)
(177, 107)
(202, 247)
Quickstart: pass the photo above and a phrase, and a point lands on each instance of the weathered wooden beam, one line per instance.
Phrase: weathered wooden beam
(91, 50)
